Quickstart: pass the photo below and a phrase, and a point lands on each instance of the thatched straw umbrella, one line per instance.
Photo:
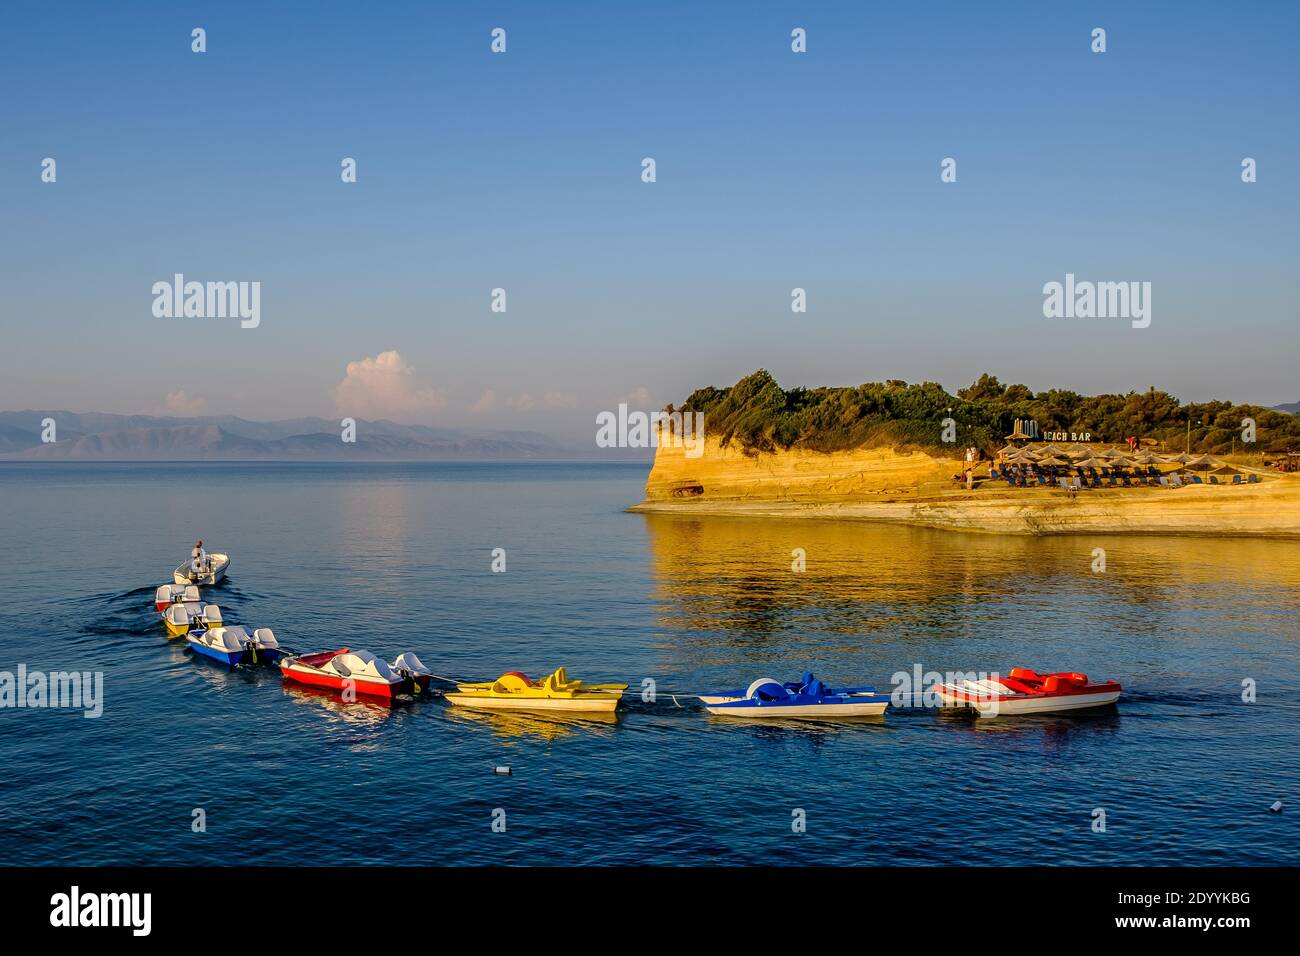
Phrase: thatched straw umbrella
(1051, 461)
(1204, 463)
(1112, 453)
(1092, 463)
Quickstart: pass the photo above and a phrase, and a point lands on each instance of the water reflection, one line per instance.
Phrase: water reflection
(1057, 729)
(541, 726)
(811, 726)
(367, 711)
(725, 585)
(219, 675)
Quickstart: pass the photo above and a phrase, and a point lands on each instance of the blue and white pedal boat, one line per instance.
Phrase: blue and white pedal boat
(234, 645)
(808, 697)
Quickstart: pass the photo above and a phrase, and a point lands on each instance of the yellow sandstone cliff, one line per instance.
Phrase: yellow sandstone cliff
(917, 488)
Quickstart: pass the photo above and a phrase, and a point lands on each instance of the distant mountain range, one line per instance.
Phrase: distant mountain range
(92, 436)
(1292, 407)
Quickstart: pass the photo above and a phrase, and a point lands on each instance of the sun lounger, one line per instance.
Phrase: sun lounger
(1176, 480)
(1252, 479)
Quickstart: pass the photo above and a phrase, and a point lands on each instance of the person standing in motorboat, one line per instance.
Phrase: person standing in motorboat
(198, 558)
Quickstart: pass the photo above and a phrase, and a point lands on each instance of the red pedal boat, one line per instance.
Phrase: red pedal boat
(1023, 691)
(169, 594)
(359, 670)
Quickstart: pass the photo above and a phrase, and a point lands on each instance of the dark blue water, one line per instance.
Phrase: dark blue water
(397, 557)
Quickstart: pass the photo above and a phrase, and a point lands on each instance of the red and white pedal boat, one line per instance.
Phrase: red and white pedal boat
(358, 670)
(1023, 691)
(169, 594)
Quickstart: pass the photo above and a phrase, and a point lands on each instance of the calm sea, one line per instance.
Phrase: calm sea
(397, 557)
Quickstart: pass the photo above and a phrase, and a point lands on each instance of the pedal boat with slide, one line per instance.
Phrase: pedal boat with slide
(1023, 691)
(516, 691)
(805, 698)
(234, 645)
(361, 671)
(211, 573)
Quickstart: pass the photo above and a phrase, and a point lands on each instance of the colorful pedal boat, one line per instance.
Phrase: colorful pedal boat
(169, 594)
(180, 619)
(409, 666)
(1023, 691)
(234, 645)
(806, 697)
(516, 691)
(215, 570)
(346, 669)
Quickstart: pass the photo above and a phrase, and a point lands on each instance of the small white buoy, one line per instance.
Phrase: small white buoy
(506, 771)
(1276, 807)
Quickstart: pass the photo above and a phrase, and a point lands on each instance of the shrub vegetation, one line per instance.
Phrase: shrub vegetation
(759, 415)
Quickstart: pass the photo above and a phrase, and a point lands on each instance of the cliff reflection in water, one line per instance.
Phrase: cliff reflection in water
(728, 583)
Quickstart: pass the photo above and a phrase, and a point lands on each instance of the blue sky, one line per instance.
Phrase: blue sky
(522, 171)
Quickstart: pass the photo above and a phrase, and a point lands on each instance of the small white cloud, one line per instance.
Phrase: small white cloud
(385, 387)
(183, 406)
(560, 400)
(523, 402)
(639, 397)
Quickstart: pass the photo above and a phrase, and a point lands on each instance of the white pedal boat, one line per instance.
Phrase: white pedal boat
(213, 572)
(1023, 691)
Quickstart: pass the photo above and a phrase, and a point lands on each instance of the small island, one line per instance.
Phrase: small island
(993, 458)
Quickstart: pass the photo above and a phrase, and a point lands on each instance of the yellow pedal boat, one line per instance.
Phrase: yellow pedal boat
(180, 619)
(516, 691)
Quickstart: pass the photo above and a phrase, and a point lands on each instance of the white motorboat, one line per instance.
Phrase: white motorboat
(212, 572)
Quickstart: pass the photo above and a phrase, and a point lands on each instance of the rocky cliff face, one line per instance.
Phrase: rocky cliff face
(729, 474)
(916, 488)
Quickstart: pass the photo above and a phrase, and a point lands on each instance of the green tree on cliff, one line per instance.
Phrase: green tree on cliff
(759, 415)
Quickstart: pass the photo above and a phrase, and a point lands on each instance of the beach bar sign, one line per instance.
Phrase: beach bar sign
(1068, 436)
